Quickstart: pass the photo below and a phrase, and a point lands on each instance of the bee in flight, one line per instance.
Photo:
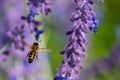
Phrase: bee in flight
(34, 49)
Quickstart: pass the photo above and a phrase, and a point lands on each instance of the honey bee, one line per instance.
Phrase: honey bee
(34, 49)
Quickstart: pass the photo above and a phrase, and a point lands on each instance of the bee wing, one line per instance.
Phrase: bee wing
(37, 57)
(43, 50)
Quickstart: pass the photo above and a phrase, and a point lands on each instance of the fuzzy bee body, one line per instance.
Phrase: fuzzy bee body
(33, 52)
(31, 57)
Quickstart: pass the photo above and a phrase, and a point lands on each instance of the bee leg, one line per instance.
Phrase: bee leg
(37, 57)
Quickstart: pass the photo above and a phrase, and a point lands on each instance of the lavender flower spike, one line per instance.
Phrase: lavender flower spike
(43, 5)
(84, 20)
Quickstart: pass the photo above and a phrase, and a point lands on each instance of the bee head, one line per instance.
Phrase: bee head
(35, 43)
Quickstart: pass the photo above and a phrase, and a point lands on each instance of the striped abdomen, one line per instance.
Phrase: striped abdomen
(31, 56)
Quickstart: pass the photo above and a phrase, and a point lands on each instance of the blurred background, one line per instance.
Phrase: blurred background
(102, 62)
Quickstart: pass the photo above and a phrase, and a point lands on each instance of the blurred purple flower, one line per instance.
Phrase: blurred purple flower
(59, 77)
(43, 5)
(3, 57)
(95, 27)
(115, 55)
(34, 6)
(16, 34)
(11, 33)
(84, 19)
(32, 13)
(38, 33)
(105, 65)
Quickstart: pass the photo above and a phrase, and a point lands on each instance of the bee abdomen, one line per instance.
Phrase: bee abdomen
(31, 58)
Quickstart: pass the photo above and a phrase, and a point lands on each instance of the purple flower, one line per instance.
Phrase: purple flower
(17, 38)
(95, 26)
(115, 55)
(32, 13)
(61, 77)
(16, 34)
(38, 33)
(15, 49)
(83, 19)
(34, 6)
(43, 5)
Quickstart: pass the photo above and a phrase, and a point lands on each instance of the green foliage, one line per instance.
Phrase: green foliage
(55, 41)
(106, 36)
